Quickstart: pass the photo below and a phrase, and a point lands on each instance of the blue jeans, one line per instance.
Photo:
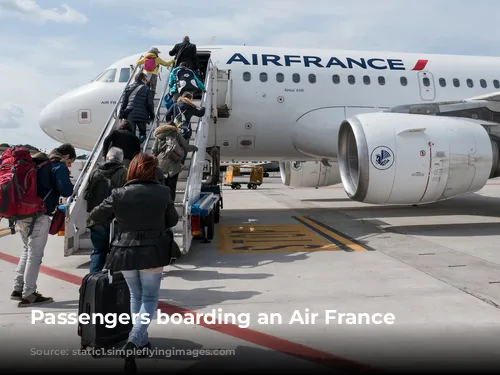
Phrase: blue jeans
(99, 235)
(144, 289)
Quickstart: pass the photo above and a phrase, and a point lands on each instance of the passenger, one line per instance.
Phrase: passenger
(138, 105)
(53, 181)
(182, 79)
(186, 51)
(125, 139)
(185, 106)
(168, 136)
(151, 63)
(144, 215)
(114, 173)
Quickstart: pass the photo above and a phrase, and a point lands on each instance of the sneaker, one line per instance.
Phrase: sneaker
(16, 296)
(142, 138)
(34, 299)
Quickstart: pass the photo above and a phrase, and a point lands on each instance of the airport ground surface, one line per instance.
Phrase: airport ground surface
(435, 268)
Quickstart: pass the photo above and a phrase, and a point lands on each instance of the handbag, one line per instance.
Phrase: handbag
(57, 222)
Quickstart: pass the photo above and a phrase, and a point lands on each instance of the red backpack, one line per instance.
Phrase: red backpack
(18, 185)
(150, 64)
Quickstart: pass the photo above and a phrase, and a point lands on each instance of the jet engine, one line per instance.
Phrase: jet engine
(392, 158)
(309, 173)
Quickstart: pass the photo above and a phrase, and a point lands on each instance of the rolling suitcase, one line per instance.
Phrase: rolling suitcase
(104, 293)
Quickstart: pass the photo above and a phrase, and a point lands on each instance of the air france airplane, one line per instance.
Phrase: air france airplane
(393, 128)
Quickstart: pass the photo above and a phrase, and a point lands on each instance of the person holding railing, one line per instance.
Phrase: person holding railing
(183, 111)
(144, 244)
(182, 79)
(152, 62)
(138, 105)
(124, 138)
(107, 176)
(171, 149)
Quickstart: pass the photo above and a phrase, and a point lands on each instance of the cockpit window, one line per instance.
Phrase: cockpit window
(108, 76)
(124, 75)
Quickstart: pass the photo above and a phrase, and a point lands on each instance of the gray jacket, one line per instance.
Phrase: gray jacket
(168, 166)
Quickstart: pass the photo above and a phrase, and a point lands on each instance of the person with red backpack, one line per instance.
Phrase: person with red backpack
(30, 188)
(151, 63)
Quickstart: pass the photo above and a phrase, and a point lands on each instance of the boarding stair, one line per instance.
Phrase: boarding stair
(190, 181)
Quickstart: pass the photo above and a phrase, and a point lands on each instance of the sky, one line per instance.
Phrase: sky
(50, 47)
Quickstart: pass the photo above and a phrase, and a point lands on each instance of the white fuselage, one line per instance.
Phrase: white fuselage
(292, 95)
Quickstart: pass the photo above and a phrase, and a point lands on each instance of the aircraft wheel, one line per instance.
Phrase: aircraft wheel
(254, 186)
(233, 187)
(238, 186)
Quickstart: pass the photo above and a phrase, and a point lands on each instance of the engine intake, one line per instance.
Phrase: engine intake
(392, 158)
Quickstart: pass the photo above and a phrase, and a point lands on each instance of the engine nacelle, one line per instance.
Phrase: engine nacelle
(392, 158)
(309, 173)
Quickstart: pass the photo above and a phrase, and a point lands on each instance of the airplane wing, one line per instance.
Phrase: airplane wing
(483, 109)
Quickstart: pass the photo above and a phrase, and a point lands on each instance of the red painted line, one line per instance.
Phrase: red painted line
(420, 65)
(259, 338)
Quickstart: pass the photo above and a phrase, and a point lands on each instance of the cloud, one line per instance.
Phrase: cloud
(10, 115)
(29, 10)
(72, 64)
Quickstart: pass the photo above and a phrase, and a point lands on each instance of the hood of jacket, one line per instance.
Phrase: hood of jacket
(183, 100)
(109, 167)
(150, 55)
(165, 131)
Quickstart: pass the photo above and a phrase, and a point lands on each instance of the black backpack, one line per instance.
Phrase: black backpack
(185, 81)
(99, 189)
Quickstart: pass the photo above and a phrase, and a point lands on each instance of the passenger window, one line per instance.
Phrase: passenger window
(470, 83)
(108, 76)
(442, 82)
(351, 79)
(263, 77)
(247, 76)
(280, 77)
(426, 81)
(483, 83)
(336, 79)
(312, 78)
(124, 75)
(381, 80)
(456, 82)
(496, 83)
(403, 81)
(296, 77)
(366, 80)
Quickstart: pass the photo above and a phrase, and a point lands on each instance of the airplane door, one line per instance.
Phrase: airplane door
(426, 84)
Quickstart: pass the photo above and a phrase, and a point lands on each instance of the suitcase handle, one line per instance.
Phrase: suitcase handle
(111, 236)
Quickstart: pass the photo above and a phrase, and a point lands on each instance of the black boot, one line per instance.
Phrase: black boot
(130, 349)
(144, 350)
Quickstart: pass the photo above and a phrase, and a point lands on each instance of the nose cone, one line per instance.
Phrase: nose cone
(50, 120)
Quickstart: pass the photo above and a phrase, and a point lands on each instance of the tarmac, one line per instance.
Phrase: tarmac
(426, 278)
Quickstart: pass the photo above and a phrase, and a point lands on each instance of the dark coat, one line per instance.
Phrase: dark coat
(189, 109)
(188, 54)
(53, 178)
(114, 170)
(138, 108)
(145, 214)
(125, 140)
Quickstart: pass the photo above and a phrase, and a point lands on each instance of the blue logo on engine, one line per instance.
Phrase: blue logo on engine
(382, 157)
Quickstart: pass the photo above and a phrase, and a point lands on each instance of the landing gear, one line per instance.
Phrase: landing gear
(252, 186)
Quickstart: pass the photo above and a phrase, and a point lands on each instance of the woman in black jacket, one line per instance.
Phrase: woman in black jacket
(143, 243)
